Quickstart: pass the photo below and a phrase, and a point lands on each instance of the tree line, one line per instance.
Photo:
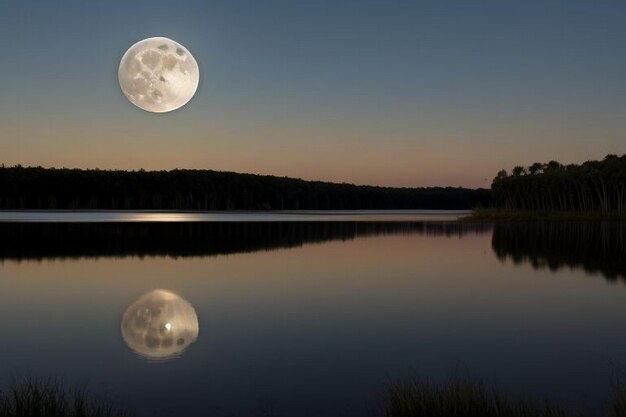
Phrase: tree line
(184, 189)
(594, 186)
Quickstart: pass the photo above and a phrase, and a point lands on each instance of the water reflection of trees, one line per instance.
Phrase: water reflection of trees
(76, 240)
(596, 247)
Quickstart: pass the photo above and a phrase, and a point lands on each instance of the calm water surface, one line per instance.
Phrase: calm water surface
(312, 318)
(118, 216)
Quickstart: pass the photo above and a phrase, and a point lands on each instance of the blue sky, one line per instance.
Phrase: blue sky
(391, 93)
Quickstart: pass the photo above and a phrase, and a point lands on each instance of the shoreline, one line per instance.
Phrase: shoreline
(495, 214)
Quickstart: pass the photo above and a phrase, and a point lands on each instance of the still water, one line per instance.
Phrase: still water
(124, 216)
(312, 318)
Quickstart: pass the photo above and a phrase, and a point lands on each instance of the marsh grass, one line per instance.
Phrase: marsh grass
(459, 398)
(29, 397)
(618, 406)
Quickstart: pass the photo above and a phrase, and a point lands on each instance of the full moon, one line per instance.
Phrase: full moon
(159, 325)
(158, 75)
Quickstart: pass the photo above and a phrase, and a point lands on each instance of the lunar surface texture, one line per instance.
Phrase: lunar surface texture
(158, 75)
(159, 325)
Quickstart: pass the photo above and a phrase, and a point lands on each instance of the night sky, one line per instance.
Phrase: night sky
(407, 93)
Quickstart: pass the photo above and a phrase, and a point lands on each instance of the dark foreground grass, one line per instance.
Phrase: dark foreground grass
(456, 398)
(459, 398)
(467, 398)
(494, 214)
(29, 397)
(618, 406)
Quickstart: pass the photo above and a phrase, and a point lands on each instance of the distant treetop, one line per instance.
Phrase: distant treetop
(184, 189)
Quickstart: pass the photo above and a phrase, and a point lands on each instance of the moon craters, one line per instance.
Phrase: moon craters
(159, 325)
(158, 75)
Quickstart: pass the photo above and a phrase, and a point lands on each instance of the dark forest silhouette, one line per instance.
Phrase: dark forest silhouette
(594, 246)
(24, 241)
(74, 189)
(594, 186)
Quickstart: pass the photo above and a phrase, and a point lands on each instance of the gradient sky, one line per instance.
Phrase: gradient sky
(407, 93)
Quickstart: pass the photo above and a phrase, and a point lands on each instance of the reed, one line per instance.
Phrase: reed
(29, 397)
(459, 398)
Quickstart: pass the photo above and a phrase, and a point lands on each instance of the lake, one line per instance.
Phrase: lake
(125, 216)
(264, 315)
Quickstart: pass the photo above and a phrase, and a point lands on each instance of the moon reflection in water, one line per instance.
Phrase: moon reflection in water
(159, 325)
